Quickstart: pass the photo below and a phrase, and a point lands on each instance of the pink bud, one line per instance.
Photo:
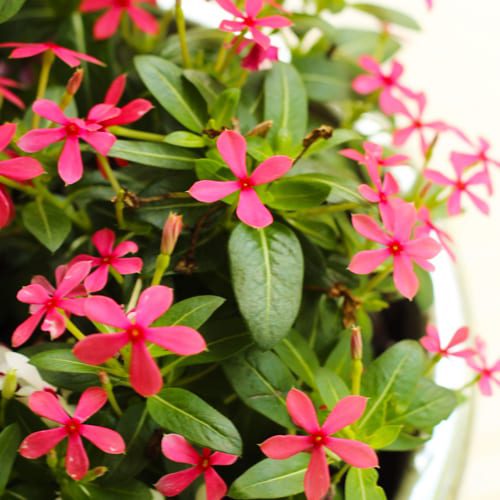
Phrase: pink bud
(75, 82)
(171, 231)
(356, 343)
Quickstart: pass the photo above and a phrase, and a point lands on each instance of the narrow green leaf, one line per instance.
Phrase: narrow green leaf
(387, 15)
(185, 139)
(10, 438)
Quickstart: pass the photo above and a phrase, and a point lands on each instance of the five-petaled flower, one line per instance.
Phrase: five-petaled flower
(398, 244)
(486, 372)
(355, 453)
(232, 147)
(249, 20)
(432, 343)
(135, 329)
(18, 168)
(176, 448)
(70, 164)
(49, 303)
(68, 56)
(5, 85)
(107, 25)
(110, 257)
(460, 186)
(73, 428)
(376, 79)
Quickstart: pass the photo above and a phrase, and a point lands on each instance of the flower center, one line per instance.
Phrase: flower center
(460, 186)
(249, 21)
(318, 439)
(388, 80)
(395, 248)
(52, 303)
(382, 197)
(417, 124)
(205, 463)
(135, 333)
(123, 3)
(73, 426)
(246, 183)
(107, 260)
(72, 129)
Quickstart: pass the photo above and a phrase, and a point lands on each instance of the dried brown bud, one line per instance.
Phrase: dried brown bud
(323, 132)
(261, 129)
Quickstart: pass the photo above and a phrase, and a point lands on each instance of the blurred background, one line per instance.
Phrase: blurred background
(455, 60)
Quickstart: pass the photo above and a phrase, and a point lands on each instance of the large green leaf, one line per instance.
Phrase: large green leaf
(262, 381)
(185, 413)
(165, 81)
(331, 387)
(272, 479)
(154, 154)
(225, 108)
(48, 224)
(125, 490)
(9, 8)
(361, 484)
(267, 272)
(285, 103)
(10, 438)
(62, 360)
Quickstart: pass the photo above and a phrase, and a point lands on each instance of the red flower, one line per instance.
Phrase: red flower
(73, 428)
(176, 448)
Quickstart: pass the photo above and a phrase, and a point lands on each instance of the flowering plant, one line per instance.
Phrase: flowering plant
(229, 242)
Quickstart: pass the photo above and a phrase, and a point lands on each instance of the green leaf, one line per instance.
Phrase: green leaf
(262, 381)
(285, 103)
(298, 192)
(164, 80)
(272, 479)
(128, 490)
(361, 484)
(48, 224)
(330, 386)
(62, 360)
(208, 87)
(183, 412)
(10, 438)
(384, 436)
(225, 107)
(387, 15)
(298, 355)
(154, 154)
(9, 8)
(185, 139)
(267, 272)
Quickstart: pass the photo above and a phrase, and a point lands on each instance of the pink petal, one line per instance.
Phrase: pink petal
(97, 348)
(369, 64)
(128, 265)
(438, 177)
(220, 458)
(281, 447)
(107, 311)
(11, 97)
(7, 132)
(231, 26)
(232, 147)
(144, 20)
(455, 203)
(344, 413)
(273, 22)
(391, 186)
(367, 261)
(107, 25)
(271, 169)
(46, 405)
(302, 411)
(153, 302)
(73, 277)
(176, 448)
(462, 160)
(124, 248)
(405, 279)
(91, 401)
(317, 478)
(33, 294)
(423, 248)
(74, 306)
(97, 280)
(29, 51)
(38, 139)
(130, 113)
(116, 90)
(253, 7)
(39, 443)
(77, 461)
(54, 323)
(145, 376)
(430, 344)
(93, 5)
(7, 208)
(210, 191)
(460, 336)
(395, 160)
(70, 165)
(215, 485)
(263, 40)
(21, 169)
(485, 386)
(480, 204)
(366, 84)
(105, 439)
(101, 112)
(252, 211)
(353, 452)
(104, 241)
(230, 7)
(352, 154)
(368, 193)
(368, 227)
(102, 142)
(389, 104)
(171, 485)
(25, 330)
(65, 54)
(402, 135)
(181, 340)
(405, 218)
(50, 110)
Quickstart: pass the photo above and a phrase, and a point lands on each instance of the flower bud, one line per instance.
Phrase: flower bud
(75, 82)
(356, 343)
(9, 385)
(95, 473)
(171, 231)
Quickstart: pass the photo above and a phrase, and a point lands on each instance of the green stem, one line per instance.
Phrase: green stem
(474, 381)
(109, 173)
(108, 388)
(17, 185)
(134, 297)
(72, 328)
(228, 55)
(181, 30)
(356, 374)
(136, 134)
(43, 81)
(340, 474)
(162, 263)
(116, 275)
(433, 362)
(377, 279)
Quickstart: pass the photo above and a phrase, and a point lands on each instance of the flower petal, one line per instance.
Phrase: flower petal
(232, 147)
(91, 401)
(210, 191)
(128, 265)
(281, 447)
(317, 478)
(459, 337)
(102, 142)
(21, 169)
(46, 405)
(171, 485)
(271, 169)
(38, 139)
(181, 340)
(144, 20)
(423, 248)
(77, 461)
(367, 261)
(25, 330)
(107, 25)
(153, 302)
(366, 84)
(368, 227)
(97, 348)
(353, 452)
(145, 376)
(39, 443)
(104, 241)
(344, 413)
(405, 279)
(302, 411)
(107, 311)
(97, 280)
(73, 277)
(33, 294)
(215, 485)
(252, 211)
(105, 439)
(175, 447)
(70, 165)
(50, 111)
(220, 458)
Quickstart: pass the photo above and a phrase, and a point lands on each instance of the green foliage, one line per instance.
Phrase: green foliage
(361, 484)
(10, 439)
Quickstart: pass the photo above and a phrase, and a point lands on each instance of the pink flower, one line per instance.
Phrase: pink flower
(248, 20)
(73, 428)
(460, 186)
(385, 82)
(176, 448)
(432, 343)
(303, 414)
(5, 83)
(135, 329)
(232, 146)
(68, 56)
(107, 25)
(257, 57)
(486, 372)
(429, 227)
(47, 302)
(131, 112)
(110, 257)
(398, 244)
(18, 169)
(70, 165)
